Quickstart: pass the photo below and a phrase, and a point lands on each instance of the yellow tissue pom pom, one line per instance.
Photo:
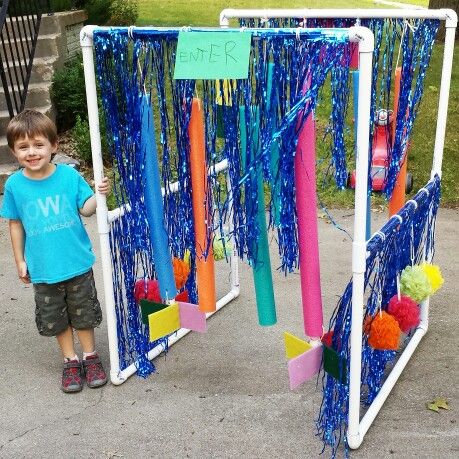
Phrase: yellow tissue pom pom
(434, 274)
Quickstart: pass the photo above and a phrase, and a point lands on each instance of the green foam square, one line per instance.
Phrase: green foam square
(149, 307)
(335, 365)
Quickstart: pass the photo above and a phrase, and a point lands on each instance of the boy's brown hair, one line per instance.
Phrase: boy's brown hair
(30, 123)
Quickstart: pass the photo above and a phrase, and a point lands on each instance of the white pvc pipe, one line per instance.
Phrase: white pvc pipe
(366, 45)
(356, 429)
(131, 369)
(448, 52)
(104, 218)
(234, 256)
(172, 188)
(102, 211)
(226, 14)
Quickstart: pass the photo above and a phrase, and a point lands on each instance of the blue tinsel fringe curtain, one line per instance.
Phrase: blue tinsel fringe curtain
(294, 65)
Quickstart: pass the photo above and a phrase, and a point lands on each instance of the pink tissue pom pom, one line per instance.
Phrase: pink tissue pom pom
(406, 312)
(147, 290)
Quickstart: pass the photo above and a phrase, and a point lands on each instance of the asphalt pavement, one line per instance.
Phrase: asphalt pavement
(224, 393)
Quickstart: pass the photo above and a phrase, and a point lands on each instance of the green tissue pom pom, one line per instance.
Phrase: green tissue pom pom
(415, 283)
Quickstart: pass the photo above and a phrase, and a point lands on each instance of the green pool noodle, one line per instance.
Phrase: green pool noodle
(274, 154)
(262, 275)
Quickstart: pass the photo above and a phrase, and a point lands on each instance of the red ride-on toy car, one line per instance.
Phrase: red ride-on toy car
(380, 161)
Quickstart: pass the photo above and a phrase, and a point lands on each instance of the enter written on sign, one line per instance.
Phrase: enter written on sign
(211, 54)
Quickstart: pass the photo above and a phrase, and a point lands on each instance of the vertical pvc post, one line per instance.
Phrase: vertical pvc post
(366, 43)
(448, 52)
(355, 80)
(102, 211)
(234, 260)
(355, 87)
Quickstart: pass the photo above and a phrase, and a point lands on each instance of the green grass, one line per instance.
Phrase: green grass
(206, 13)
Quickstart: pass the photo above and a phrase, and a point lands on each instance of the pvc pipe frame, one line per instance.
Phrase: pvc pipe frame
(104, 218)
(356, 428)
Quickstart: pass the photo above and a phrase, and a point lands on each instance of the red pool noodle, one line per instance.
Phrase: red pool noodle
(205, 269)
(306, 207)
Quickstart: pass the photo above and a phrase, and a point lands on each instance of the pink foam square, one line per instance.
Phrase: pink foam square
(305, 366)
(192, 318)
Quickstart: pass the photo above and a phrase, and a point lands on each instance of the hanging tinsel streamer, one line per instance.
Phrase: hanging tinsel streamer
(417, 44)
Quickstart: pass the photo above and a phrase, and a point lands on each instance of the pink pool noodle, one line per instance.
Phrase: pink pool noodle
(306, 207)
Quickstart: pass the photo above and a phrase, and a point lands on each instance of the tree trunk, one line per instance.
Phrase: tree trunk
(437, 4)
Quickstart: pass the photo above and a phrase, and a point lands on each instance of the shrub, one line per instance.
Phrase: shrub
(124, 12)
(68, 94)
(98, 11)
(80, 135)
(61, 5)
(82, 140)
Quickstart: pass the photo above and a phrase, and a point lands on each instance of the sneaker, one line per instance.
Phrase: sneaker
(71, 376)
(94, 371)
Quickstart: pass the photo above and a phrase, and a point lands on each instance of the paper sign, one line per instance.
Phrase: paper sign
(192, 318)
(212, 55)
(164, 322)
(294, 346)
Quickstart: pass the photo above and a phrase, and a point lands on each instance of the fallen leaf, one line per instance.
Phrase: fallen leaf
(441, 403)
(432, 407)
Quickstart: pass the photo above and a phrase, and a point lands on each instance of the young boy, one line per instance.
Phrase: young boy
(43, 203)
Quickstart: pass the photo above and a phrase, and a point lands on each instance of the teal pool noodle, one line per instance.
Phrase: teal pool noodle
(262, 275)
(274, 154)
(154, 205)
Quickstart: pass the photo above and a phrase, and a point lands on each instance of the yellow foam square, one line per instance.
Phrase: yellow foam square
(294, 346)
(164, 322)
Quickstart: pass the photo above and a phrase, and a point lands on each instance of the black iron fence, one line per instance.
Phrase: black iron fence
(19, 26)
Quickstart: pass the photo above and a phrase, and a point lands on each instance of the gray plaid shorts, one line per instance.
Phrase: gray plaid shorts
(72, 302)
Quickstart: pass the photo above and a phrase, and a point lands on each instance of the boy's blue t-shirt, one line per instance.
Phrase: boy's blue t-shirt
(57, 246)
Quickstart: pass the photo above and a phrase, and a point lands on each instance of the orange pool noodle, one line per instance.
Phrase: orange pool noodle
(205, 269)
(397, 200)
(384, 332)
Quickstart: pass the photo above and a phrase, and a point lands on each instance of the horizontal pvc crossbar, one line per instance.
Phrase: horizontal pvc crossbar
(447, 15)
(179, 334)
(172, 188)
